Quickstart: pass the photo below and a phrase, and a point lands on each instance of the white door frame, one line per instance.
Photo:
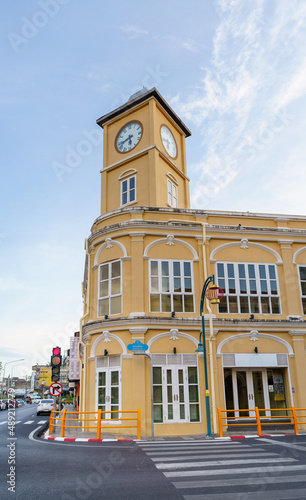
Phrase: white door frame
(250, 389)
(108, 371)
(175, 399)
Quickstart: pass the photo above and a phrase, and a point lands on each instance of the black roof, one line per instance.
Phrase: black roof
(142, 96)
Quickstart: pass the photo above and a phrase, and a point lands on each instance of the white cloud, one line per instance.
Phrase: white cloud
(257, 69)
(133, 31)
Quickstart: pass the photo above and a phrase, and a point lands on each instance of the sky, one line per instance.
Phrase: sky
(233, 70)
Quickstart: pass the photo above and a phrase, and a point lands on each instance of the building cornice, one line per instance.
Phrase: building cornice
(219, 325)
(258, 234)
(205, 214)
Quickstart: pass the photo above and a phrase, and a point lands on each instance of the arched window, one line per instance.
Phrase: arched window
(128, 187)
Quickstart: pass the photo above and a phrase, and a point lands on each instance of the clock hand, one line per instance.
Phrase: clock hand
(127, 139)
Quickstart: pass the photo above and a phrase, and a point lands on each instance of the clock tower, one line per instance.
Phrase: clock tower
(144, 157)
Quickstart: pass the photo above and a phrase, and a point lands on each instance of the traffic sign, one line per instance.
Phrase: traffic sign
(137, 346)
(55, 389)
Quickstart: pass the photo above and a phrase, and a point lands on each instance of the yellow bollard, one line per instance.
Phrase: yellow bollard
(63, 423)
(51, 422)
(258, 421)
(138, 423)
(220, 423)
(295, 423)
(99, 424)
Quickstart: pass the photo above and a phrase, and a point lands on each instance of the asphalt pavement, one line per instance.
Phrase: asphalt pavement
(175, 469)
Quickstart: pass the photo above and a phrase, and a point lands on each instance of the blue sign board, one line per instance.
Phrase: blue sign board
(137, 346)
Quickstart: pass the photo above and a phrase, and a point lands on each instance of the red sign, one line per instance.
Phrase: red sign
(55, 389)
(214, 293)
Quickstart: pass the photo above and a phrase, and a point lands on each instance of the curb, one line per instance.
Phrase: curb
(255, 436)
(51, 438)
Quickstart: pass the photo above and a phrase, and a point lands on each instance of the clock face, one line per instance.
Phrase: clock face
(168, 141)
(128, 137)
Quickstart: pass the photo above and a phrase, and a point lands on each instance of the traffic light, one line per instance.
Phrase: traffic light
(56, 361)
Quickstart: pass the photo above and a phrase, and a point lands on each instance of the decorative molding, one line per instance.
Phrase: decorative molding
(101, 337)
(137, 314)
(126, 356)
(261, 335)
(172, 178)
(297, 332)
(254, 335)
(285, 242)
(166, 334)
(170, 239)
(138, 330)
(303, 249)
(109, 243)
(127, 173)
(251, 244)
(174, 334)
(91, 358)
(244, 243)
(138, 235)
(106, 336)
(177, 241)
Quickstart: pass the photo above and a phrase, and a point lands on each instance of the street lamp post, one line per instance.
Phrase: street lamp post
(8, 362)
(202, 347)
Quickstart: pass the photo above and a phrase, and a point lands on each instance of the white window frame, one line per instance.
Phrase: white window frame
(303, 296)
(172, 194)
(128, 191)
(171, 292)
(248, 293)
(109, 296)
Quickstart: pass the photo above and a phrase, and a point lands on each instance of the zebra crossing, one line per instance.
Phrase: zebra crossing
(25, 423)
(228, 470)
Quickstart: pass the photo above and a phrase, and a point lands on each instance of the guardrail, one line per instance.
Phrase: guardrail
(294, 419)
(63, 418)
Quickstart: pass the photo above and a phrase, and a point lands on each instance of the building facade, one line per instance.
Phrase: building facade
(147, 258)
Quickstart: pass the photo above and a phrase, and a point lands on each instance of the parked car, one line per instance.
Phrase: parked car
(10, 402)
(45, 406)
(2, 405)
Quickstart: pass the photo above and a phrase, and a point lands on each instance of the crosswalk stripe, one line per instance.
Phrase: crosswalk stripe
(215, 444)
(246, 470)
(191, 457)
(258, 495)
(201, 450)
(223, 462)
(209, 483)
(42, 422)
(29, 422)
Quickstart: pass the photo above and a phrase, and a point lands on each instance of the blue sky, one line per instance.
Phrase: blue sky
(233, 70)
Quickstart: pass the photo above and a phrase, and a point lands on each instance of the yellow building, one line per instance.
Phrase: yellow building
(147, 258)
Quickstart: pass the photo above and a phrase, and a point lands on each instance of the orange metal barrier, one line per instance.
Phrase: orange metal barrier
(227, 421)
(97, 420)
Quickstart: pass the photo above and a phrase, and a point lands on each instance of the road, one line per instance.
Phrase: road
(250, 469)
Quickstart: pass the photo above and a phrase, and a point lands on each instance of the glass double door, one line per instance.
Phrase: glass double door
(109, 392)
(245, 389)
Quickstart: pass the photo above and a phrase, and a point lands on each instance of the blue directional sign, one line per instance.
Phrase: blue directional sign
(137, 346)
